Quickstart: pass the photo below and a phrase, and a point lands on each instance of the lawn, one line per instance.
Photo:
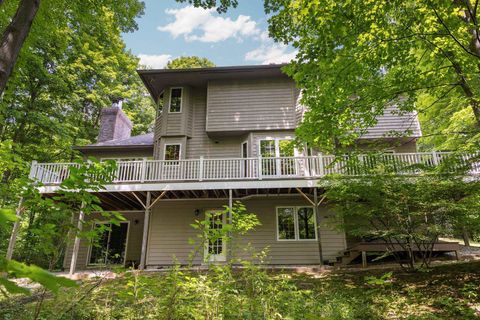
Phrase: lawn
(444, 292)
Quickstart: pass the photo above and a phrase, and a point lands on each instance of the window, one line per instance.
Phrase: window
(111, 246)
(283, 150)
(160, 104)
(172, 152)
(175, 100)
(296, 223)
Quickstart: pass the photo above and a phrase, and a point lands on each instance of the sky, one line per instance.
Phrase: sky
(169, 30)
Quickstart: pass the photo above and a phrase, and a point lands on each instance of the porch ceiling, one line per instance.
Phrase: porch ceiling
(127, 201)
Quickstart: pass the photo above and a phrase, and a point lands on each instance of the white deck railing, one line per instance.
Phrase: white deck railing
(261, 168)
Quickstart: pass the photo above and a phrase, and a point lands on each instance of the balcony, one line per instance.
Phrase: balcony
(266, 169)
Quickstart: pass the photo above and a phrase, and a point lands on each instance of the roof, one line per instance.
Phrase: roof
(139, 142)
(394, 123)
(157, 79)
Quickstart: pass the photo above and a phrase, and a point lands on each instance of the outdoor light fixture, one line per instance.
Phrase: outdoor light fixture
(136, 221)
(197, 212)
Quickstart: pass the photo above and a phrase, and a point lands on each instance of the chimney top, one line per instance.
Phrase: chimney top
(114, 124)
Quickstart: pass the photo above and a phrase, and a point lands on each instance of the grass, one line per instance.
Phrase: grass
(444, 292)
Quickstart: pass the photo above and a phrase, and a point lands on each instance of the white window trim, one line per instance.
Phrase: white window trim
(88, 264)
(241, 149)
(172, 144)
(295, 224)
(277, 144)
(170, 100)
(214, 257)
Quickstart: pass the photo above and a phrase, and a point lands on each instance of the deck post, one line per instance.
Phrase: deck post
(317, 220)
(364, 259)
(321, 169)
(16, 228)
(76, 244)
(230, 214)
(259, 164)
(200, 169)
(146, 222)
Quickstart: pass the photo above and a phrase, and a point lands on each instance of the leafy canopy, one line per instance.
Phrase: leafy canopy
(189, 62)
(356, 57)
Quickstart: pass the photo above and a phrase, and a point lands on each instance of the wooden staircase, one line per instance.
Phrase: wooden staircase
(345, 257)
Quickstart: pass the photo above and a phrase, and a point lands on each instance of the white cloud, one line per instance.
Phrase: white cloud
(155, 61)
(271, 53)
(197, 24)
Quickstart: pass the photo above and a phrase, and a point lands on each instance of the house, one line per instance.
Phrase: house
(221, 134)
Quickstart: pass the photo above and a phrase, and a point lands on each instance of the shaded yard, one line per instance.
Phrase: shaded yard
(445, 292)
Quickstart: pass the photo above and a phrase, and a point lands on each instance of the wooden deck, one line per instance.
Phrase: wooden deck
(362, 248)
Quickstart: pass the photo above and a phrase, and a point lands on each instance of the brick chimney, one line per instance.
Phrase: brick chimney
(114, 124)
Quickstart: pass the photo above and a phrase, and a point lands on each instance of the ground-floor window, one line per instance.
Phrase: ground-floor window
(111, 246)
(296, 223)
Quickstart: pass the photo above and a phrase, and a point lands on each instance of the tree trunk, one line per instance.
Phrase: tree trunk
(14, 36)
(466, 237)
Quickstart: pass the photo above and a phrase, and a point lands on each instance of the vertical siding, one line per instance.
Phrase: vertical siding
(246, 105)
(134, 244)
(170, 231)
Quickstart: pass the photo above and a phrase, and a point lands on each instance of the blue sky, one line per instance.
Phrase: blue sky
(168, 30)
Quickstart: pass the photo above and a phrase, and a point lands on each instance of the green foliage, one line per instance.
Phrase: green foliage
(220, 5)
(239, 222)
(254, 293)
(385, 279)
(409, 212)
(189, 62)
(356, 57)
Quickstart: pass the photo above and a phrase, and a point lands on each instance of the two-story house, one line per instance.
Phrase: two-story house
(221, 134)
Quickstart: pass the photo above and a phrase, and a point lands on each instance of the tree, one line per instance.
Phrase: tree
(15, 33)
(404, 212)
(354, 58)
(220, 5)
(189, 62)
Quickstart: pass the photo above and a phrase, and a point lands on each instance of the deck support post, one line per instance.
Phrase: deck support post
(364, 259)
(317, 220)
(76, 243)
(146, 222)
(230, 216)
(16, 228)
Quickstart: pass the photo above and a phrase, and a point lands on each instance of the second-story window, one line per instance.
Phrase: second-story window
(175, 100)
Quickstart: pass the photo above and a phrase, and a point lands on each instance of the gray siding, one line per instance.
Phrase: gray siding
(392, 123)
(174, 124)
(240, 106)
(170, 231)
(134, 244)
(200, 143)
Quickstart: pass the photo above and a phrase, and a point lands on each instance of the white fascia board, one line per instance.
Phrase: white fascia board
(204, 185)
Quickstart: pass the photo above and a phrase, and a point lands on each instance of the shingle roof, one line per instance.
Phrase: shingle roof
(140, 140)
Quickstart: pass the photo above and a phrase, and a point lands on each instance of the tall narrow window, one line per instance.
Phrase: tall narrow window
(172, 152)
(306, 223)
(175, 100)
(296, 223)
(286, 223)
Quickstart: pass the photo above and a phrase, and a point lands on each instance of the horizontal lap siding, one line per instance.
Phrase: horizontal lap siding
(170, 231)
(251, 105)
(134, 244)
(393, 121)
(202, 145)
